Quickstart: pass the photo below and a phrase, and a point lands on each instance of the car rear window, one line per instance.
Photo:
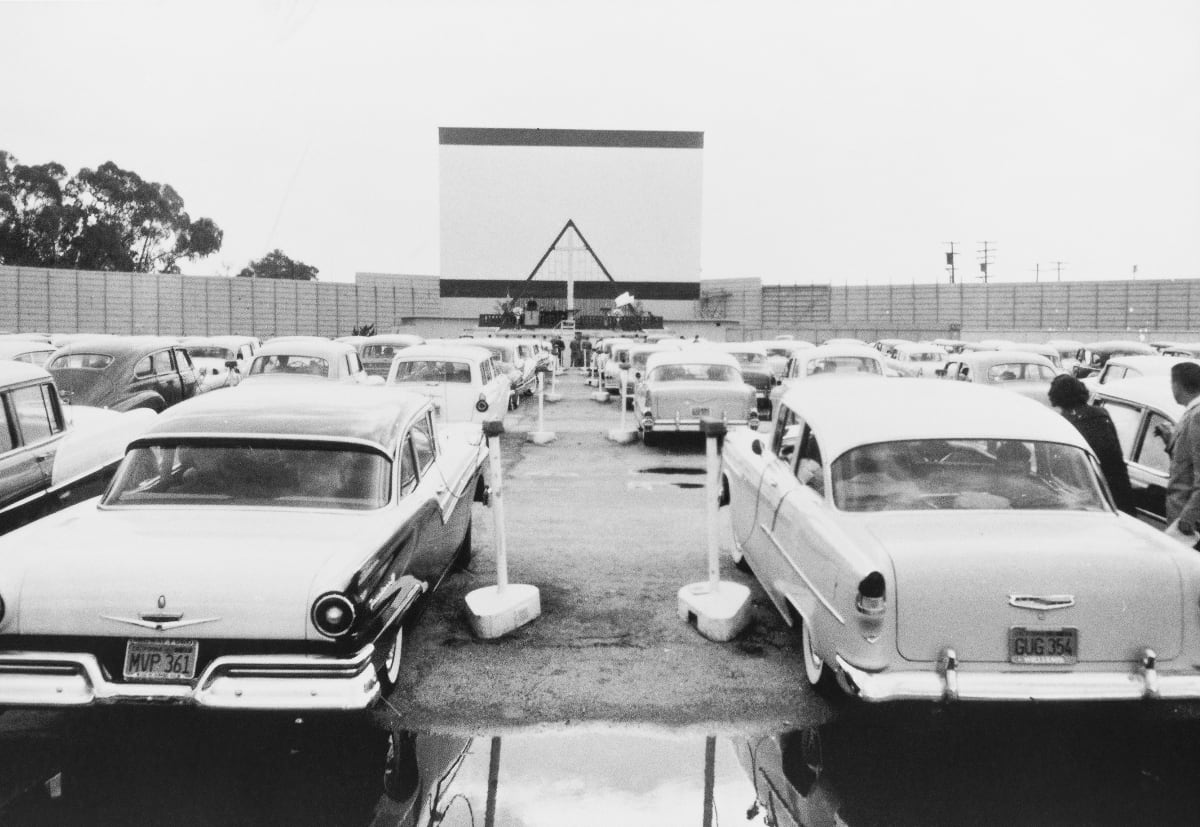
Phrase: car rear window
(91, 361)
(694, 373)
(210, 352)
(842, 364)
(966, 474)
(302, 365)
(254, 473)
(432, 370)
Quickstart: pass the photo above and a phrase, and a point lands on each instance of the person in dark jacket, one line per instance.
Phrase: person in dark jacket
(1071, 396)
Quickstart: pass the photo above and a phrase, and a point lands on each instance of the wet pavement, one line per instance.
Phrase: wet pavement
(607, 710)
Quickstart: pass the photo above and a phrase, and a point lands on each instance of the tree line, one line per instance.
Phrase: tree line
(109, 218)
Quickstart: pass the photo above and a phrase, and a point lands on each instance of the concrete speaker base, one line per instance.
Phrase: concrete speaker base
(719, 615)
(493, 615)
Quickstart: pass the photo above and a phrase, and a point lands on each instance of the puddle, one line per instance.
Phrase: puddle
(666, 469)
(688, 484)
(876, 767)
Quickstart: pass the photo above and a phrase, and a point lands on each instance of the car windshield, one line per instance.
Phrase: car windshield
(252, 473)
(751, 359)
(922, 356)
(695, 372)
(303, 365)
(381, 351)
(779, 351)
(91, 361)
(842, 364)
(964, 474)
(432, 370)
(210, 352)
(1013, 371)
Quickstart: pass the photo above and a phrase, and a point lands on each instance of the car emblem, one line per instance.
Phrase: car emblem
(162, 601)
(160, 621)
(1041, 603)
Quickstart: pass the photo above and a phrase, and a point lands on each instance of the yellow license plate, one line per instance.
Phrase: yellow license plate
(161, 660)
(1043, 646)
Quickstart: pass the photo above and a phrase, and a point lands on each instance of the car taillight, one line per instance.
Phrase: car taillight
(752, 420)
(1, 609)
(333, 614)
(482, 404)
(871, 594)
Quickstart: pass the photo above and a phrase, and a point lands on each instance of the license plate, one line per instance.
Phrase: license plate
(699, 411)
(1043, 646)
(161, 660)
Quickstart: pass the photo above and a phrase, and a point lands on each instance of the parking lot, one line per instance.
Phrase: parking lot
(608, 533)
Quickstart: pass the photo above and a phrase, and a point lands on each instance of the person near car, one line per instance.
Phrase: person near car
(1071, 397)
(577, 351)
(1183, 486)
(556, 346)
(586, 344)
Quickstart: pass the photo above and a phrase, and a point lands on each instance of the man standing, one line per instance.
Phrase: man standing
(1183, 489)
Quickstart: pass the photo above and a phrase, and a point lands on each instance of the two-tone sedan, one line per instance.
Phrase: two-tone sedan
(957, 543)
(682, 387)
(256, 550)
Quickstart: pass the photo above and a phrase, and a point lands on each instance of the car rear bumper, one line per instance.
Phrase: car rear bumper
(689, 425)
(1142, 681)
(241, 682)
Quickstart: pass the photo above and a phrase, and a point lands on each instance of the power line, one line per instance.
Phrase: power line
(987, 257)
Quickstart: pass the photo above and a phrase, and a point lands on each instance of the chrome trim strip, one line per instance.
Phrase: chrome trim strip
(151, 439)
(1142, 681)
(262, 682)
(160, 625)
(1042, 602)
(828, 606)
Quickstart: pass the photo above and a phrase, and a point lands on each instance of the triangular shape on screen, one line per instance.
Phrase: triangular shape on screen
(570, 258)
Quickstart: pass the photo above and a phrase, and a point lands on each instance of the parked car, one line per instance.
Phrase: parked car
(124, 373)
(1013, 370)
(30, 351)
(257, 550)
(52, 455)
(309, 358)
(1068, 353)
(522, 374)
(377, 352)
(825, 361)
(221, 361)
(1092, 357)
(1144, 413)
(461, 379)
(616, 365)
(779, 351)
(915, 359)
(681, 387)
(1130, 367)
(1184, 349)
(756, 371)
(957, 543)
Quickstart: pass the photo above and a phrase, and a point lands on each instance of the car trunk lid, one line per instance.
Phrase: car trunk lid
(956, 585)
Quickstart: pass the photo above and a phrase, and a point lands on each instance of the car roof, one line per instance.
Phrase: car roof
(119, 346)
(1119, 345)
(1160, 365)
(320, 411)
(742, 347)
(13, 373)
(407, 339)
(997, 357)
(447, 351)
(860, 411)
(12, 347)
(831, 351)
(1142, 390)
(322, 348)
(691, 356)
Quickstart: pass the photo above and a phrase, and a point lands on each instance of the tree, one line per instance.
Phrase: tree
(103, 219)
(277, 265)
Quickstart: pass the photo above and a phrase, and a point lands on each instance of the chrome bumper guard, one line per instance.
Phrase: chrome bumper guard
(690, 424)
(949, 683)
(250, 682)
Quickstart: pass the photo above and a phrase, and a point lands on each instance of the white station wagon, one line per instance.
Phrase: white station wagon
(463, 380)
(957, 543)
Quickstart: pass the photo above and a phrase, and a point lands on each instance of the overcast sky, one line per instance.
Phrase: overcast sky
(844, 141)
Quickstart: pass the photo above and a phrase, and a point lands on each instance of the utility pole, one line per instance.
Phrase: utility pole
(986, 258)
(1037, 272)
(950, 259)
(1058, 265)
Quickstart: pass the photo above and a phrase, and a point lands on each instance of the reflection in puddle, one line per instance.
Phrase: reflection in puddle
(869, 767)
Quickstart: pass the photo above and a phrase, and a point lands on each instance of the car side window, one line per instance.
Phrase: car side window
(424, 448)
(809, 468)
(183, 359)
(143, 368)
(7, 442)
(161, 362)
(1152, 452)
(35, 420)
(408, 467)
(1126, 419)
(787, 435)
